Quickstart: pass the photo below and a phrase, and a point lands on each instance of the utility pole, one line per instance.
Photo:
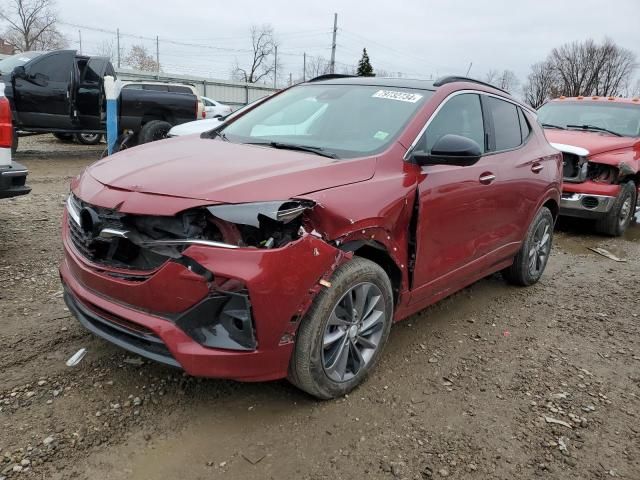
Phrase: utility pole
(469, 69)
(332, 65)
(304, 67)
(275, 69)
(80, 38)
(157, 57)
(118, 37)
(290, 79)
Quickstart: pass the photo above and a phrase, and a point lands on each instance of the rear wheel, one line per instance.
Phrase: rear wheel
(154, 130)
(88, 138)
(615, 223)
(342, 335)
(530, 262)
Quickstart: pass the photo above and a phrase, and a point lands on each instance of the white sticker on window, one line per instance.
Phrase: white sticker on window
(395, 95)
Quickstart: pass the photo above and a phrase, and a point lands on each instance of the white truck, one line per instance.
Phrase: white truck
(13, 176)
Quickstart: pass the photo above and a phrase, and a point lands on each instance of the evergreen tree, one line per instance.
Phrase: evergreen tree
(364, 66)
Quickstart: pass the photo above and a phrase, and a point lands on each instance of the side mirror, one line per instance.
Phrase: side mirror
(450, 150)
(19, 72)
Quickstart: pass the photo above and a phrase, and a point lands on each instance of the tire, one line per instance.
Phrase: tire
(530, 262)
(64, 137)
(314, 365)
(615, 223)
(153, 130)
(88, 138)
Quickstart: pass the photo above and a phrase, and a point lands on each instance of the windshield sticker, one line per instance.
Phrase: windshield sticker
(379, 135)
(24, 59)
(395, 95)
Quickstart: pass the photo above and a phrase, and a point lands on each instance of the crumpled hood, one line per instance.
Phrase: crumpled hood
(595, 143)
(225, 172)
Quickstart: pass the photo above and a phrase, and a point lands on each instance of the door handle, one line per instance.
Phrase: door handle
(487, 178)
(536, 167)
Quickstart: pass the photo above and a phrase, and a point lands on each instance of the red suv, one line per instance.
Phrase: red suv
(286, 242)
(600, 139)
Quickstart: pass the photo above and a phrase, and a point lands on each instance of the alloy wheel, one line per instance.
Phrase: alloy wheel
(540, 248)
(353, 332)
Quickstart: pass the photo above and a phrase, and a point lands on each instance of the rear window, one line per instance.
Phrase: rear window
(179, 89)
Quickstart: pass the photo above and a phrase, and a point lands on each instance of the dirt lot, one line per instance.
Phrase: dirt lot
(468, 389)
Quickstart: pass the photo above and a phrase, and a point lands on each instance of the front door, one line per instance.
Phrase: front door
(90, 97)
(457, 224)
(43, 96)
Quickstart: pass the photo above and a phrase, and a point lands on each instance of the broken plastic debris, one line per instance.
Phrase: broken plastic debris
(325, 283)
(557, 422)
(606, 253)
(76, 358)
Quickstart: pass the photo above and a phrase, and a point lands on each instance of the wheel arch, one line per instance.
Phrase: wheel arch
(378, 254)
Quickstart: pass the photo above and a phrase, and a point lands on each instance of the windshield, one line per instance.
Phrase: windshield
(8, 64)
(623, 119)
(344, 121)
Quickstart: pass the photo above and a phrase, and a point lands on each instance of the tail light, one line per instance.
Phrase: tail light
(6, 125)
(204, 114)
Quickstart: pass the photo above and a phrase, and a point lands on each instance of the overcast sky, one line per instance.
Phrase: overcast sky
(420, 38)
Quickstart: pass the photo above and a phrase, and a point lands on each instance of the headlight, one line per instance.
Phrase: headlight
(249, 213)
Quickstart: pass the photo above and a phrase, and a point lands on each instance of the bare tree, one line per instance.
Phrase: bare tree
(506, 80)
(140, 59)
(263, 48)
(32, 25)
(633, 90)
(541, 85)
(317, 66)
(586, 68)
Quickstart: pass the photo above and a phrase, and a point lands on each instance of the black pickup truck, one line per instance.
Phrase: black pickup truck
(62, 92)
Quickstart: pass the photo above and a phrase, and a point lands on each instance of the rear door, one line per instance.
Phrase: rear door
(43, 98)
(521, 173)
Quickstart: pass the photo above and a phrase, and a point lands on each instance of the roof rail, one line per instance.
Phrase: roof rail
(450, 79)
(330, 76)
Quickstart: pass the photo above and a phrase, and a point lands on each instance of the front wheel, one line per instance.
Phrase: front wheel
(615, 223)
(342, 335)
(530, 262)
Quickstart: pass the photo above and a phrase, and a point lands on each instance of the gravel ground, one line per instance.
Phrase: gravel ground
(495, 382)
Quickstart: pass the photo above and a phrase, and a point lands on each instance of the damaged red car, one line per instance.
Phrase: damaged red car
(285, 243)
(600, 139)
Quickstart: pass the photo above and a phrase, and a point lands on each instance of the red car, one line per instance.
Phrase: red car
(286, 242)
(600, 138)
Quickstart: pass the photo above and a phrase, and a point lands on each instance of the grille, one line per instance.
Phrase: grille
(590, 202)
(110, 252)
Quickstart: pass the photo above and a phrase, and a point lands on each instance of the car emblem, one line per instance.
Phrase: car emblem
(90, 222)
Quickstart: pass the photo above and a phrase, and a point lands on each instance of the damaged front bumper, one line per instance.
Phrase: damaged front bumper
(179, 317)
(589, 199)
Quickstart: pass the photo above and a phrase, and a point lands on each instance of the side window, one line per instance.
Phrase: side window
(207, 103)
(53, 66)
(525, 129)
(461, 115)
(506, 124)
